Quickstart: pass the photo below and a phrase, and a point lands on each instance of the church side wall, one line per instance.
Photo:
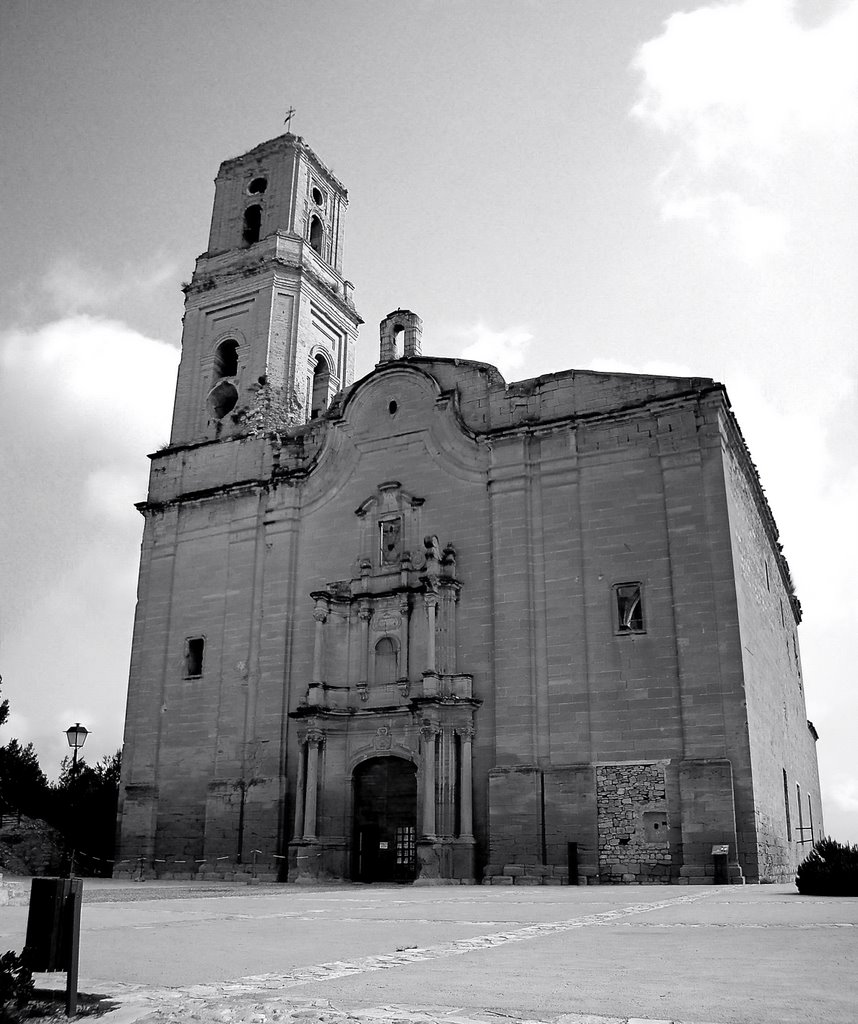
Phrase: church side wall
(781, 743)
(574, 513)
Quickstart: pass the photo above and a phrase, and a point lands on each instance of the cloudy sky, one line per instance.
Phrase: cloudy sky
(644, 185)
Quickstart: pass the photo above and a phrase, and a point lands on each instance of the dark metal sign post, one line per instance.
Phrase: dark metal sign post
(53, 930)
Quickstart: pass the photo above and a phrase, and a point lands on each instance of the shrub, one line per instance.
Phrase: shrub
(16, 984)
(830, 869)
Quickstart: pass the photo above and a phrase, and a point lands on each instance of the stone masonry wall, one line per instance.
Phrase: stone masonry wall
(633, 824)
(780, 741)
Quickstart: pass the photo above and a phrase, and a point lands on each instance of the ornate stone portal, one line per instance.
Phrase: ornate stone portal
(385, 685)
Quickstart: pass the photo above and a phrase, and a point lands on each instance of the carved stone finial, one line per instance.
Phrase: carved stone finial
(432, 549)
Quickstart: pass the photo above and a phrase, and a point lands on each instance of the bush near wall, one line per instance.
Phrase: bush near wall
(16, 986)
(830, 869)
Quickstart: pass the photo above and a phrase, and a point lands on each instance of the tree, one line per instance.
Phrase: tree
(4, 706)
(23, 786)
(85, 803)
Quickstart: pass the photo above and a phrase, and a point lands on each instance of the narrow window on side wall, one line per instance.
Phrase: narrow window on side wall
(194, 648)
(786, 807)
(629, 608)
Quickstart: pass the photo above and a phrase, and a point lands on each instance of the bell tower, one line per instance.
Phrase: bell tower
(270, 326)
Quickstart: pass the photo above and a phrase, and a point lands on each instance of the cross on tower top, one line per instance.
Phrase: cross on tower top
(290, 113)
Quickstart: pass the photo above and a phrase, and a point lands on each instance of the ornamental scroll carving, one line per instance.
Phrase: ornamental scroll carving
(386, 622)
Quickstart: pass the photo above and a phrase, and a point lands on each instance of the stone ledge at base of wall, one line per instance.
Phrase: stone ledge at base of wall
(534, 880)
(443, 881)
(198, 876)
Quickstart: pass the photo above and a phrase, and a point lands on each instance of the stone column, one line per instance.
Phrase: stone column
(314, 746)
(403, 636)
(364, 614)
(298, 831)
(466, 800)
(431, 602)
(320, 614)
(428, 734)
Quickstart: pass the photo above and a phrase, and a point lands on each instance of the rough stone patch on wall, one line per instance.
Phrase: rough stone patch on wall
(631, 803)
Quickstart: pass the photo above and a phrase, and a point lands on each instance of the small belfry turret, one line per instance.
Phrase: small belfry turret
(400, 334)
(270, 325)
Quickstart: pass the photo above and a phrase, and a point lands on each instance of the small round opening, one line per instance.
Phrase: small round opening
(392, 408)
(257, 186)
(317, 196)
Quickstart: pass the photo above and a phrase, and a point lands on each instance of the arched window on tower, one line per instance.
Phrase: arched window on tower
(226, 359)
(252, 224)
(385, 662)
(316, 234)
(321, 388)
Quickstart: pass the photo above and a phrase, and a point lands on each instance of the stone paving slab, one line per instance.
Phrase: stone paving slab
(173, 1007)
(404, 956)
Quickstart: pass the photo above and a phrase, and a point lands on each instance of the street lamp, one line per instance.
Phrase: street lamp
(76, 735)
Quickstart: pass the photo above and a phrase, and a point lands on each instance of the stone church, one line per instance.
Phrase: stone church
(431, 626)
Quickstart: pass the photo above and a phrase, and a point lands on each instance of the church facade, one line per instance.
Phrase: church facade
(431, 626)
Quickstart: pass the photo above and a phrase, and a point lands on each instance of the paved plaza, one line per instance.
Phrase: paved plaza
(383, 955)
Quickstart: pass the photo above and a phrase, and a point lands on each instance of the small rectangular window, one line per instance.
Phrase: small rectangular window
(629, 608)
(194, 648)
(810, 816)
(800, 813)
(786, 807)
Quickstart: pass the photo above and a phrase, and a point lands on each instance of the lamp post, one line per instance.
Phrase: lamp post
(76, 735)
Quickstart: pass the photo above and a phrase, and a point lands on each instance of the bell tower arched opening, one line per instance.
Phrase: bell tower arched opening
(316, 234)
(385, 821)
(321, 387)
(252, 224)
(226, 359)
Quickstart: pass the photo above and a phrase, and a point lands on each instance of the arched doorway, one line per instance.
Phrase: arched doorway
(385, 821)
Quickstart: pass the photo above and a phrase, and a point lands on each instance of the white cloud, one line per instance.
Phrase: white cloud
(737, 87)
(82, 371)
(74, 286)
(655, 367)
(505, 349)
(843, 792)
(83, 399)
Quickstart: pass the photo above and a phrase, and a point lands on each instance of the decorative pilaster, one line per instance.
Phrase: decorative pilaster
(315, 739)
(298, 831)
(431, 602)
(320, 614)
(364, 614)
(404, 611)
(428, 735)
(466, 797)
